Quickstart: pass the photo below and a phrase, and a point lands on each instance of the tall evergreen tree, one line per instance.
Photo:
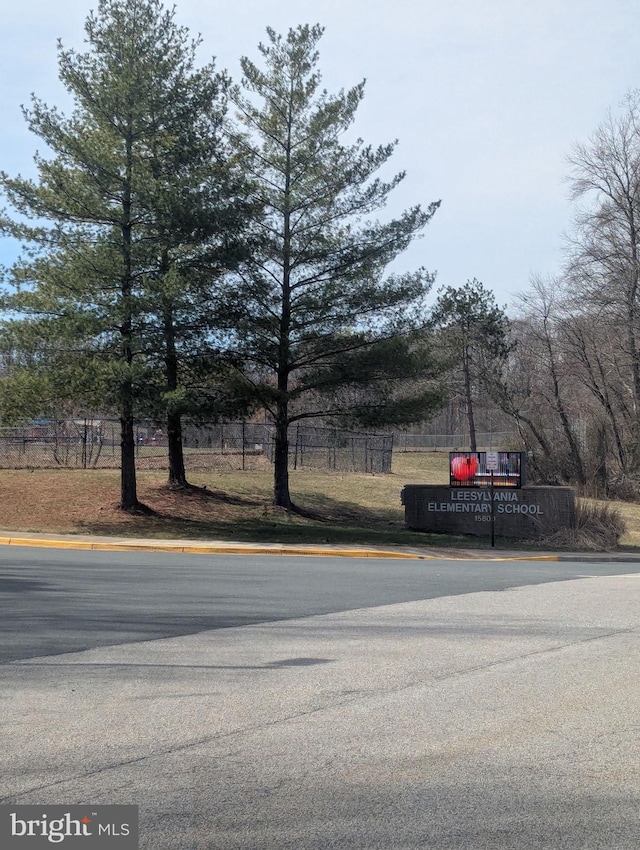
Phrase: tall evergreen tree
(475, 332)
(320, 316)
(139, 212)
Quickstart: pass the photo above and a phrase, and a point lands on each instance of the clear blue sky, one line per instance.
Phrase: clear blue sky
(486, 99)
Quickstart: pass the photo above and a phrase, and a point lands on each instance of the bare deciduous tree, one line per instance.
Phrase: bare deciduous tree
(604, 252)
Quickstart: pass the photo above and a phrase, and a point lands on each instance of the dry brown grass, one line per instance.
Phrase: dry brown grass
(599, 526)
(630, 513)
(224, 504)
(347, 507)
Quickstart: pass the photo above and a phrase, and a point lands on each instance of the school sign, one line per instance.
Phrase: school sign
(524, 513)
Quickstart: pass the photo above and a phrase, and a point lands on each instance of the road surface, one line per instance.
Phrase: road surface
(274, 703)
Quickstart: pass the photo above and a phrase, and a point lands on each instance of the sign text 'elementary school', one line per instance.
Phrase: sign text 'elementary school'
(479, 502)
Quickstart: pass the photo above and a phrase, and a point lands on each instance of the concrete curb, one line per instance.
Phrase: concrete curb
(213, 549)
(189, 547)
(601, 558)
(240, 549)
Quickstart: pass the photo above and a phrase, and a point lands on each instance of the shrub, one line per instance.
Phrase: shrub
(598, 527)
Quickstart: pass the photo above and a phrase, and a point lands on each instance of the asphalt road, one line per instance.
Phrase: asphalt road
(54, 601)
(310, 704)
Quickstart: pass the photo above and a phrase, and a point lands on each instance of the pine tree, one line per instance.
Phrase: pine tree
(137, 210)
(324, 332)
(475, 333)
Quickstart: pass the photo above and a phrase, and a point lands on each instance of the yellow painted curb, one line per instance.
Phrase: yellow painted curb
(208, 550)
(49, 544)
(222, 549)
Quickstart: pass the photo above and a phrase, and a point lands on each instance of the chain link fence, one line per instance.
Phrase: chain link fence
(451, 442)
(95, 444)
(69, 443)
(348, 451)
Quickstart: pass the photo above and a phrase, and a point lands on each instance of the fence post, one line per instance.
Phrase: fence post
(387, 459)
(243, 442)
(84, 445)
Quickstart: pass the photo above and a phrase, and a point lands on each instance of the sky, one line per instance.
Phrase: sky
(485, 97)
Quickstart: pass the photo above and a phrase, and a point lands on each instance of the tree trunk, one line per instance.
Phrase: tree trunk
(600, 390)
(602, 476)
(177, 472)
(570, 438)
(466, 368)
(562, 413)
(613, 421)
(281, 495)
(542, 442)
(128, 488)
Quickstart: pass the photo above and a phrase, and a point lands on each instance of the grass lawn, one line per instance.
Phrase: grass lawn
(230, 505)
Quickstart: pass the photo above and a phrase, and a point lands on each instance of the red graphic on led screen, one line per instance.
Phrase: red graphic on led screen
(468, 469)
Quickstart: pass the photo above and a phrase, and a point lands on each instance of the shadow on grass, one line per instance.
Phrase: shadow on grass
(254, 531)
(199, 513)
(330, 510)
(205, 494)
